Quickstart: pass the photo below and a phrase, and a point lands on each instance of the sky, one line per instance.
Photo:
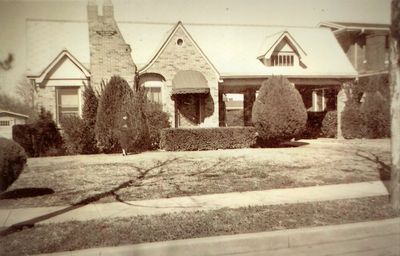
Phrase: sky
(13, 15)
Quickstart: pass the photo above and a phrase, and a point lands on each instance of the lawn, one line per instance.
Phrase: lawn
(168, 174)
(120, 231)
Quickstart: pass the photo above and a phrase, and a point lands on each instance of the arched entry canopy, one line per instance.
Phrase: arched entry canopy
(189, 82)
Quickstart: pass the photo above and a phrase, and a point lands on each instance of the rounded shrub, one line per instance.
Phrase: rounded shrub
(113, 105)
(12, 162)
(352, 124)
(375, 112)
(329, 124)
(278, 113)
(47, 137)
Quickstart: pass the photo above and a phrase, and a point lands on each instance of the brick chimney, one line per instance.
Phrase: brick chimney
(92, 10)
(108, 9)
(109, 53)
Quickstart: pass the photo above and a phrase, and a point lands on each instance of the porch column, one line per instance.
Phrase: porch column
(341, 101)
(221, 109)
(249, 96)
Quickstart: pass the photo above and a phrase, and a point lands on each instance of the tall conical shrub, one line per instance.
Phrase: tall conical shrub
(137, 123)
(113, 105)
(278, 113)
(89, 113)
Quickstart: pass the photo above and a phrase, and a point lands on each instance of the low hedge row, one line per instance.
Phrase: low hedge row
(190, 139)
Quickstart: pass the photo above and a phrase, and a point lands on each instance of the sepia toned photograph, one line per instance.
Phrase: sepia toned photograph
(200, 127)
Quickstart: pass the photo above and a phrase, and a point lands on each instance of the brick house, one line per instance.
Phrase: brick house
(187, 68)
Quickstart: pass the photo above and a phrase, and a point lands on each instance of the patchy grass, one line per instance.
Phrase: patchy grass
(113, 232)
(168, 174)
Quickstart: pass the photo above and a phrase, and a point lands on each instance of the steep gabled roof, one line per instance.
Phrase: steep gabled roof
(179, 25)
(63, 54)
(232, 49)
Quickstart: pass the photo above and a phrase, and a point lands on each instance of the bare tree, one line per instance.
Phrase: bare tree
(395, 104)
(26, 91)
(6, 64)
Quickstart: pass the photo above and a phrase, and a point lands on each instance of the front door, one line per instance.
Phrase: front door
(188, 110)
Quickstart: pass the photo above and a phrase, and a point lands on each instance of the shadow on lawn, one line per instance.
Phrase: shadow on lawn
(132, 182)
(383, 168)
(25, 192)
(286, 144)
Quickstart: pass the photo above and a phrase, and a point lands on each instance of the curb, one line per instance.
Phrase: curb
(253, 242)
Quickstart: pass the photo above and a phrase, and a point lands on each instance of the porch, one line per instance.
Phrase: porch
(237, 96)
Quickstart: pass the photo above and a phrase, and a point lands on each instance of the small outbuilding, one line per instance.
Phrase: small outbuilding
(7, 120)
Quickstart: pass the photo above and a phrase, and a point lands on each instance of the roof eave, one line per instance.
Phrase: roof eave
(239, 76)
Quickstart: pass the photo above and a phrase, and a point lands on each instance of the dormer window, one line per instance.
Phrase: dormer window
(281, 50)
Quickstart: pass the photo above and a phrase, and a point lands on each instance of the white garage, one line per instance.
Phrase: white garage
(7, 120)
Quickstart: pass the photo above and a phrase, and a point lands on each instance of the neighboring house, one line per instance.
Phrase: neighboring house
(186, 68)
(7, 120)
(365, 44)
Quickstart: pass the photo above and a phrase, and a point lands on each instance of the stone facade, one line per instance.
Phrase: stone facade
(109, 53)
(45, 97)
(181, 53)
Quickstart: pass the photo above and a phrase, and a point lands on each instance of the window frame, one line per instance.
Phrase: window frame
(5, 123)
(283, 59)
(58, 101)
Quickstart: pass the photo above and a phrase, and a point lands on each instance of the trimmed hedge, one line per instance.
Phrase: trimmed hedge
(191, 139)
(12, 162)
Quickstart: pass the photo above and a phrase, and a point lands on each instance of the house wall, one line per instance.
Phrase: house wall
(63, 75)
(175, 58)
(376, 52)
(109, 53)
(367, 52)
(45, 97)
(354, 47)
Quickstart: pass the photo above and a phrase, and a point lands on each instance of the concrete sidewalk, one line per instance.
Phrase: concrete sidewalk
(356, 239)
(9, 217)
